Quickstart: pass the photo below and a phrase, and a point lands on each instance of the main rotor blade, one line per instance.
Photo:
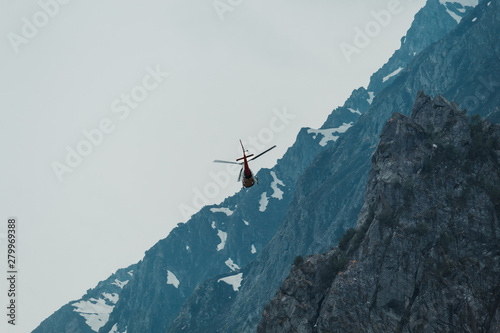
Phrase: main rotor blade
(228, 162)
(253, 158)
(239, 177)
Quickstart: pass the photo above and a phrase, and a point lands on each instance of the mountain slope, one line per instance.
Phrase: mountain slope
(453, 65)
(433, 24)
(221, 239)
(425, 255)
(430, 24)
(217, 240)
(190, 256)
(91, 312)
(329, 194)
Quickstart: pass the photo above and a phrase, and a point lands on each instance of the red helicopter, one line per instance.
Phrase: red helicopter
(248, 178)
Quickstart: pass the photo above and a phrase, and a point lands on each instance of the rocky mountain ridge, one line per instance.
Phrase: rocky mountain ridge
(189, 258)
(425, 254)
(329, 194)
(89, 313)
(430, 24)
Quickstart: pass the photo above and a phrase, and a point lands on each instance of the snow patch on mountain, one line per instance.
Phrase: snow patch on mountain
(278, 194)
(327, 133)
(114, 329)
(396, 72)
(342, 128)
(232, 266)
(172, 279)
(246, 222)
(223, 237)
(263, 202)
(354, 111)
(131, 272)
(463, 3)
(94, 311)
(113, 298)
(253, 250)
(455, 16)
(213, 225)
(371, 95)
(119, 283)
(224, 210)
(233, 280)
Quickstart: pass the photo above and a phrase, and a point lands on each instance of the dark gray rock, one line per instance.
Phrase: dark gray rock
(329, 194)
(425, 255)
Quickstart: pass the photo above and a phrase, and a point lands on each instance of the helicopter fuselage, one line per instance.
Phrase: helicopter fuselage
(248, 179)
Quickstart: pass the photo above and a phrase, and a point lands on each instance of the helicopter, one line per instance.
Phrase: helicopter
(246, 176)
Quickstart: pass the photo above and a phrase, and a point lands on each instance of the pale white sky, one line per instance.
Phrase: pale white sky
(229, 75)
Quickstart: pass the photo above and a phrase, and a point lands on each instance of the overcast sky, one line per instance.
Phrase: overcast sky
(151, 92)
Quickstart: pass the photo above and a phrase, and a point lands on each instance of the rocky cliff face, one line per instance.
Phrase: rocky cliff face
(329, 194)
(425, 254)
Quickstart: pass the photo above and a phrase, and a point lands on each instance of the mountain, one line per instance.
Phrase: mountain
(302, 205)
(430, 24)
(425, 254)
(89, 313)
(329, 194)
(433, 24)
(219, 239)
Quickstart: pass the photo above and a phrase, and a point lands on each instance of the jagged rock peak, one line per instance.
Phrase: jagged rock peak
(433, 117)
(434, 113)
(425, 255)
